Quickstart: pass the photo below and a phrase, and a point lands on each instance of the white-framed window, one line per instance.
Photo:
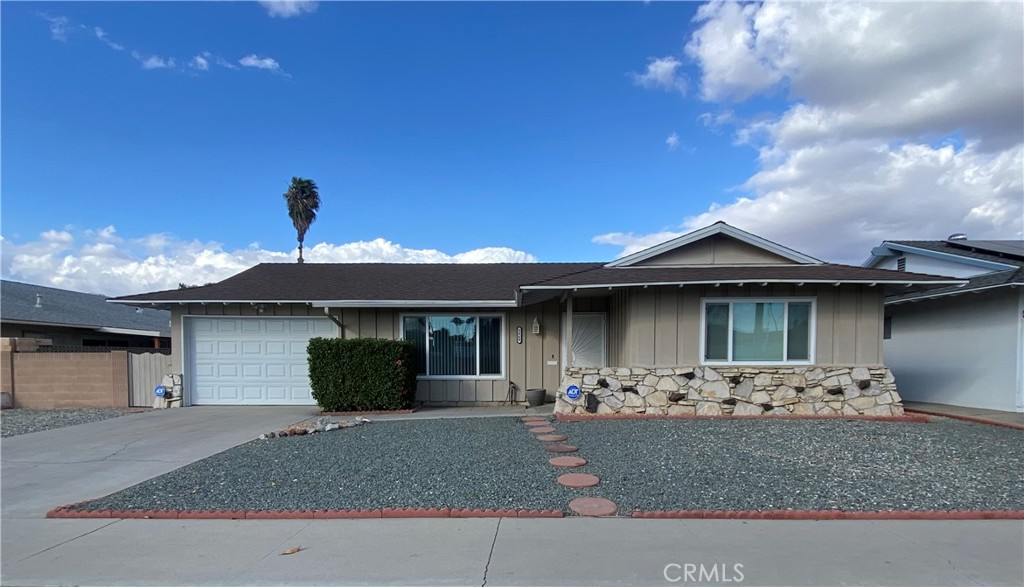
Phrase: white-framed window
(457, 346)
(756, 331)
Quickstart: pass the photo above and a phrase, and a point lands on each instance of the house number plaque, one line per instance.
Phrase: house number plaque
(519, 335)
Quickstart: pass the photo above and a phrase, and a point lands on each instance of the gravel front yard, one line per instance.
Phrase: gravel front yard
(643, 464)
(18, 421)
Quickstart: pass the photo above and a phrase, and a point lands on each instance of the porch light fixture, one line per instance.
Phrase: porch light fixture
(536, 325)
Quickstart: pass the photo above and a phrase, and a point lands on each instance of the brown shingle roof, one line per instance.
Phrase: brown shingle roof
(493, 282)
(311, 282)
(771, 273)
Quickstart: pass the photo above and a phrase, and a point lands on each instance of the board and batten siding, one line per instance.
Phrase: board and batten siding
(661, 326)
(527, 364)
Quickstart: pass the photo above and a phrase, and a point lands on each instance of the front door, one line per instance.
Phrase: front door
(589, 340)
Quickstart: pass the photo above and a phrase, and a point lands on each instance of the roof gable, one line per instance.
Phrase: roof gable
(718, 244)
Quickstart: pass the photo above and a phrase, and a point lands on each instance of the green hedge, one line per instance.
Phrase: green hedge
(362, 374)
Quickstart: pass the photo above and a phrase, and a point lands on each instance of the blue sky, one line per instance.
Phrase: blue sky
(545, 129)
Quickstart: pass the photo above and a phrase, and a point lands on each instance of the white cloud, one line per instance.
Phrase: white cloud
(105, 38)
(672, 141)
(661, 74)
(199, 62)
(60, 26)
(103, 262)
(288, 8)
(265, 63)
(154, 61)
(904, 120)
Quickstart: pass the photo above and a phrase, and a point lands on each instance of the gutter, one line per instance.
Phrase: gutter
(951, 293)
(716, 282)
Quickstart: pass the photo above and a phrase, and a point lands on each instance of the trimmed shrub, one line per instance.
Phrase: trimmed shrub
(362, 374)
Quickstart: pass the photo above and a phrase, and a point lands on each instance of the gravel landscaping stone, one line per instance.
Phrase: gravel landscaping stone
(643, 465)
(466, 462)
(802, 464)
(19, 421)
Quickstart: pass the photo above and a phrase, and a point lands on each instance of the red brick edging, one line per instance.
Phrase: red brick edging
(972, 419)
(406, 513)
(833, 515)
(907, 418)
(65, 512)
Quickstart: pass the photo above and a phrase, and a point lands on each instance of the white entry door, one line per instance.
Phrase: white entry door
(589, 340)
(251, 361)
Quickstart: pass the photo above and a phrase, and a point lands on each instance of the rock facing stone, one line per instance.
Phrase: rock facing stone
(685, 390)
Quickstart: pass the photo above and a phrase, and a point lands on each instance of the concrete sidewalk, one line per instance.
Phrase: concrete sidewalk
(571, 551)
(980, 413)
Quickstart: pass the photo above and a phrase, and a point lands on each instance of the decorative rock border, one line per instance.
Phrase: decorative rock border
(831, 390)
(906, 418)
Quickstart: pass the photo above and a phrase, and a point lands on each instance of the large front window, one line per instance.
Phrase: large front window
(459, 346)
(758, 331)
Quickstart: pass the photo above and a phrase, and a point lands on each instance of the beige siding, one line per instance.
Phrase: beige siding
(716, 250)
(662, 326)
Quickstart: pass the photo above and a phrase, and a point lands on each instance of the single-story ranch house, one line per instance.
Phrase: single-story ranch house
(716, 321)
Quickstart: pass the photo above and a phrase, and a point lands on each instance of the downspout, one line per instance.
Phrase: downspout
(1020, 349)
(333, 318)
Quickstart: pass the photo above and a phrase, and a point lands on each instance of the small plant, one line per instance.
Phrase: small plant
(362, 374)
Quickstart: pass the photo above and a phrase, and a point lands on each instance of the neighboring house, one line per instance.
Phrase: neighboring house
(714, 321)
(962, 346)
(71, 318)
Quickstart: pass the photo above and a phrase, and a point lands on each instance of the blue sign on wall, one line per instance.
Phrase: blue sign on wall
(159, 390)
(572, 392)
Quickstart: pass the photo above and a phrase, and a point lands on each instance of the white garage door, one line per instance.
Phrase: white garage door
(251, 361)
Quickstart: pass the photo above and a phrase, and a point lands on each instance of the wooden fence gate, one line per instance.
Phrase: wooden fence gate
(145, 372)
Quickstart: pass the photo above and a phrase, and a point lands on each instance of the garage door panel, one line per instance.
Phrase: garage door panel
(234, 360)
(252, 326)
(226, 326)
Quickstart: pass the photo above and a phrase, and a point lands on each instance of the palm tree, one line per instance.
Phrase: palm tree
(303, 201)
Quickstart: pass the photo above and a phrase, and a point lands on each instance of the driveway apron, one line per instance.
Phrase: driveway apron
(43, 470)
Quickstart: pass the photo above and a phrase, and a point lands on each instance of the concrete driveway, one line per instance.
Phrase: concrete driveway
(43, 470)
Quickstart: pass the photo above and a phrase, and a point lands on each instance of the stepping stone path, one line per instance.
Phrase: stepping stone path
(567, 461)
(578, 480)
(593, 506)
(552, 437)
(544, 430)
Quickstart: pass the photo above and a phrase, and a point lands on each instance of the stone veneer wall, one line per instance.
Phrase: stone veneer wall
(741, 391)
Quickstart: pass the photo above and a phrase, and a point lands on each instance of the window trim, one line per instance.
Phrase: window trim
(811, 335)
(427, 377)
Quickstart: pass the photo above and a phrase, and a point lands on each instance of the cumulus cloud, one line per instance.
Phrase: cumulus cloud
(101, 261)
(288, 8)
(661, 73)
(902, 120)
(265, 63)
